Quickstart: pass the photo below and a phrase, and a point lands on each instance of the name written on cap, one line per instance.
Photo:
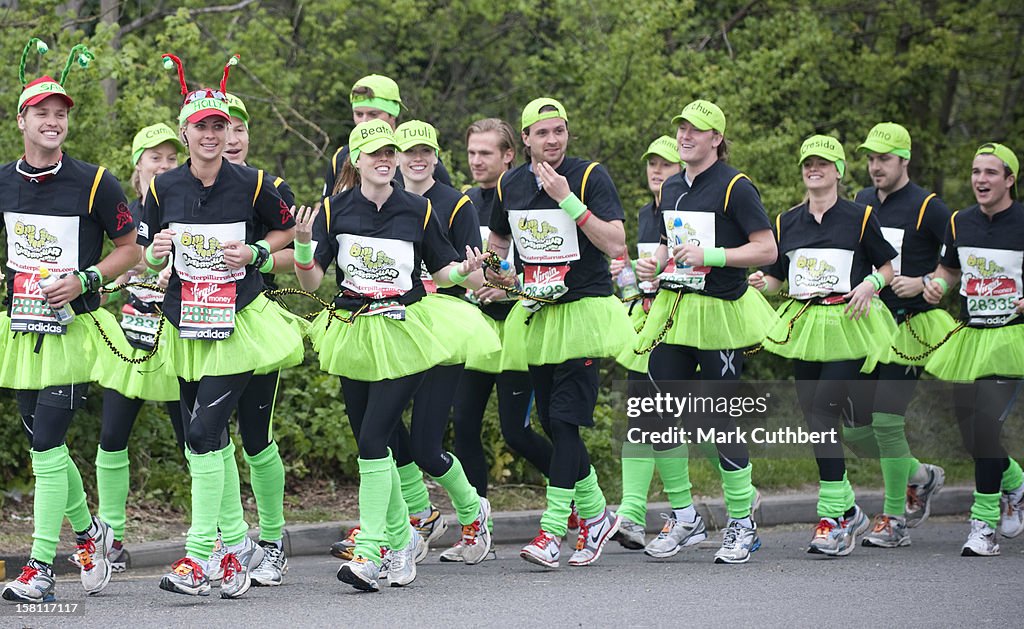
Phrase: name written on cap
(369, 132)
(700, 108)
(416, 133)
(880, 134)
(822, 143)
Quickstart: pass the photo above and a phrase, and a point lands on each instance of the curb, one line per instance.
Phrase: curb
(513, 527)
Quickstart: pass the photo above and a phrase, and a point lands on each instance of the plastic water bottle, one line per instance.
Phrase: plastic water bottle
(627, 280)
(677, 227)
(65, 314)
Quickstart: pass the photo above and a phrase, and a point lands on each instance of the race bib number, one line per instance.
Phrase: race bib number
(991, 282)
(207, 310)
(35, 241)
(687, 228)
(378, 268)
(199, 252)
(140, 327)
(544, 236)
(819, 272)
(894, 237)
(544, 282)
(30, 312)
(389, 308)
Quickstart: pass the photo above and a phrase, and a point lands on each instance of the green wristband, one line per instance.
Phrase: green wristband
(877, 280)
(81, 278)
(714, 256)
(151, 259)
(97, 272)
(304, 253)
(262, 243)
(456, 277)
(573, 206)
(943, 283)
(268, 266)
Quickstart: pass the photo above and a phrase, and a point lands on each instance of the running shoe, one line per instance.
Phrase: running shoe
(238, 567)
(402, 563)
(476, 538)
(186, 577)
(630, 534)
(544, 550)
(925, 484)
(213, 565)
(675, 535)
(981, 542)
(1011, 509)
(360, 573)
(343, 549)
(272, 569)
(594, 534)
(430, 528)
(35, 584)
(453, 554)
(92, 553)
(836, 538)
(119, 558)
(738, 542)
(887, 531)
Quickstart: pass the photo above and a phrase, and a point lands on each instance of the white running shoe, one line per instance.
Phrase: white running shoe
(213, 568)
(453, 554)
(94, 557)
(675, 535)
(186, 577)
(238, 567)
(544, 550)
(35, 584)
(1011, 509)
(361, 573)
(888, 531)
(272, 569)
(738, 542)
(926, 483)
(476, 539)
(594, 534)
(981, 542)
(402, 561)
(630, 534)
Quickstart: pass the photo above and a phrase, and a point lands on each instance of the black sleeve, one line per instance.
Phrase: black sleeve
(150, 223)
(780, 268)
(271, 209)
(329, 177)
(601, 197)
(746, 209)
(949, 257)
(441, 174)
(465, 229)
(877, 248)
(663, 231)
(325, 246)
(936, 219)
(110, 207)
(499, 217)
(285, 191)
(437, 251)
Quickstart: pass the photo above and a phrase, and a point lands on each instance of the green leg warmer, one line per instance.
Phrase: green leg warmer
(835, 497)
(986, 508)
(637, 472)
(555, 518)
(266, 473)
(207, 488)
(861, 440)
(112, 480)
(414, 490)
(674, 469)
(51, 497)
(589, 498)
(463, 495)
(76, 509)
(738, 491)
(376, 483)
(233, 527)
(398, 530)
(898, 464)
(1013, 477)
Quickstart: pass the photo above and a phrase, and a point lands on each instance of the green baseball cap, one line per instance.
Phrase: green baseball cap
(236, 108)
(415, 132)
(666, 147)
(887, 137)
(532, 112)
(369, 137)
(151, 136)
(826, 147)
(383, 94)
(1002, 152)
(704, 115)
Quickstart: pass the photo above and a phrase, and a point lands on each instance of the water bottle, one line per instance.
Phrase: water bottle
(677, 227)
(627, 280)
(65, 314)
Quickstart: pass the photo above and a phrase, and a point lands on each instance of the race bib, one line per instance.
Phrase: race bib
(140, 327)
(207, 310)
(819, 272)
(990, 283)
(377, 268)
(545, 282)
(646, 250)
(894, 237)
(427, 279)
(30, 312)
(389, 308)
(682, 228)
(208, 291)
(35, 241)
(545, 236)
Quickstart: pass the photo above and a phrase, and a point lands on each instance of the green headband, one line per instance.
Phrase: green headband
(383, 104)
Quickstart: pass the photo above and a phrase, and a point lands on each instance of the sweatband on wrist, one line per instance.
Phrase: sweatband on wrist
(255, 253)
(657, 267)
(151, 259)
(764, 289)
(303, 252)
(877, 280)
(714, 256)
(81, 278)
(268, 266)
(262, 243)
(456, 277)
(943, 284)
(573, 206)
(97, 272)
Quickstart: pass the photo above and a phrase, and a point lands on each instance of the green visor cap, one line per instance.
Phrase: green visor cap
(887, 137)
(415, 132)
(380, 85)
(369, 137)
(666, 147)
(532, 113)
(236, 108)
(1002, 152)
(825, 147)
(153, 136)
(704, 115)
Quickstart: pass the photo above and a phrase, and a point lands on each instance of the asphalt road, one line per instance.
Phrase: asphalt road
(925, 584)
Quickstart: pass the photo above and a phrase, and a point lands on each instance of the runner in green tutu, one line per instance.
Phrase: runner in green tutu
(565, 216)
(381, 335)
(832, 323)
(914, 221)
(705, 315)
(223, 328)
(984, 252)
(57, 211)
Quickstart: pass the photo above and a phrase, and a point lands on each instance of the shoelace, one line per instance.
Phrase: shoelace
(913, 501)
(731, 536)
(881, 524)
(824, 528)
(185, 566)
(230, 565)
(541, 541)
(27, 574)
(581, 540)
(86, 548)
(670, 523)
(469, 532)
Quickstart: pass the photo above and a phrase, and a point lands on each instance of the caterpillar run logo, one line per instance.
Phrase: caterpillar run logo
(984, 267)
(202, 253)
(539, 235)
(37, 245)
(376, 266)
(816, 273)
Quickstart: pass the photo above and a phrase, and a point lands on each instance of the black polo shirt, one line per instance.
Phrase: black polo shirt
(261, 230)
(60, 221)
(918, 219)
(240, 194)
(733, 225)
(820, 251)
(989, 252)
(384, 247)
(457, 215)
(518, 191)
(341, 156)
(483, 199)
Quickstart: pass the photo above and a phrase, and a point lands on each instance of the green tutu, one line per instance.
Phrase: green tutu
(825, 334)
(930, 326)
(374, 348)
(973, 353)
(628, 358)
(461, 326)
(153, 380)
(508, 358)
(266, 338)
(592, 327)
(708, 322)
(62, 359)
